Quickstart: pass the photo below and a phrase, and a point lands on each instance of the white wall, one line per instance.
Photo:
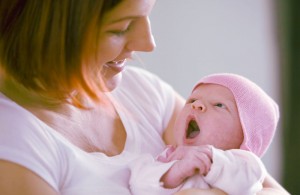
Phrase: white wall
(198, 37)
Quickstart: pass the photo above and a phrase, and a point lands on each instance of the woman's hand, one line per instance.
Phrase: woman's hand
(212, 191)
(191, 160)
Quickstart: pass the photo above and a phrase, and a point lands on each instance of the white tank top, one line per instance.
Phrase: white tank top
(147, 105)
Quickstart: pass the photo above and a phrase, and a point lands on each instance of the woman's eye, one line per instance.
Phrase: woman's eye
(120, 28)
(119, 32)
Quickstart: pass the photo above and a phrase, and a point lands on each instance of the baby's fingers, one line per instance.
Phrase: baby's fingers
(177, 174)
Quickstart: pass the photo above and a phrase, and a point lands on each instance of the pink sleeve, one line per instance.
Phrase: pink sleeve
(236, 172)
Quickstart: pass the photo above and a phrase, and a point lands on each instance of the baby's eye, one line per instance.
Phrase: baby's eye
(220, 105)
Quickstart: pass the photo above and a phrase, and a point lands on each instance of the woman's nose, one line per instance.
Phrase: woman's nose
(199, 105)
(141, 38)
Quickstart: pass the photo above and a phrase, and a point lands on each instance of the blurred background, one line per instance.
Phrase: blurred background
(259, 39)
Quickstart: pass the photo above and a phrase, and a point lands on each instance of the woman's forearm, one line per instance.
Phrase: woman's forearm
(272, 187)
(212, 191)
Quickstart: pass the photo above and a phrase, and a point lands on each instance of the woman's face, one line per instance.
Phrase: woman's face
(126, 29)
(210, 116)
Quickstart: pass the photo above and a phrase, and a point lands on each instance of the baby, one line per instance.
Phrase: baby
(227, 123)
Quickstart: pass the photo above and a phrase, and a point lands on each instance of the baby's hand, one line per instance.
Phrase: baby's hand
(163, 157)
(191, 160)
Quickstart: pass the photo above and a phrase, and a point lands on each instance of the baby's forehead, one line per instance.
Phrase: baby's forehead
(212, 89)
(214, 93)
(209, 85)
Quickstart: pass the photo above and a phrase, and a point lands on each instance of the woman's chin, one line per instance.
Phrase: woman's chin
(113, 82)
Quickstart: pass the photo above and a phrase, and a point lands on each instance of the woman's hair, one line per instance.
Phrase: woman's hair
(43, 44)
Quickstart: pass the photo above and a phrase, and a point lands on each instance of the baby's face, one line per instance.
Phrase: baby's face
(210, 116)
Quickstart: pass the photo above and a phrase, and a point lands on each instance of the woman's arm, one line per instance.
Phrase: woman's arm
(168, 135)
(272, 187)
(212, 191)
(15, 180)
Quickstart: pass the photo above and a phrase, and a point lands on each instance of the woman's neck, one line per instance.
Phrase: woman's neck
(97, 128)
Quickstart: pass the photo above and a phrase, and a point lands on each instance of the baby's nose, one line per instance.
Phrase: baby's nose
(198, 105)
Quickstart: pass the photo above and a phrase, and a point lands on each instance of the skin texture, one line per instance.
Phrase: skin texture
(271, 187)
(126, 29)
(199, 191)
(214, 110)
(16, 180)
(193, 160)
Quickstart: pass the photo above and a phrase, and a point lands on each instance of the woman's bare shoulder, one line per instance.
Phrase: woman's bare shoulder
(15, 179)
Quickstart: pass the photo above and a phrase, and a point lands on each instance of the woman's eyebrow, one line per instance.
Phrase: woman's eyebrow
(124, 18)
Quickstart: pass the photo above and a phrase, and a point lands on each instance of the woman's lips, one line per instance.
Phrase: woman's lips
(117, 66)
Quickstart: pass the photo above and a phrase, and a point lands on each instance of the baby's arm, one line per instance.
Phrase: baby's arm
(219, 168)
(191, 160)
(239, 167)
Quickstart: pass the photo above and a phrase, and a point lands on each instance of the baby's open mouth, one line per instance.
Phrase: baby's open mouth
(193, 130)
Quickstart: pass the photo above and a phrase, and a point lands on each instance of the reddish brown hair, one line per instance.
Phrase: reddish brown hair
(43, 43)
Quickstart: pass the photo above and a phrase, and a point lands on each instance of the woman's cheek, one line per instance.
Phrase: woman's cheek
(110, 49)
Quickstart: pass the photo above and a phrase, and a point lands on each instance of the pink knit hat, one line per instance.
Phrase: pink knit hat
(259, 114)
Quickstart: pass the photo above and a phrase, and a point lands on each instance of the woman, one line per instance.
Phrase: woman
(68, 123)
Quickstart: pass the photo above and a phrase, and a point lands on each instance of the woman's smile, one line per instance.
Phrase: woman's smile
(117, 66)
